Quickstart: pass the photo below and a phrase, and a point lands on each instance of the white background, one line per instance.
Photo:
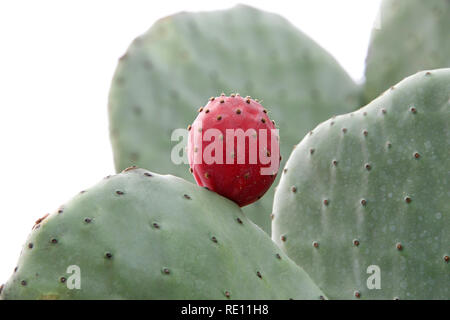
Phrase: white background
(57, 59)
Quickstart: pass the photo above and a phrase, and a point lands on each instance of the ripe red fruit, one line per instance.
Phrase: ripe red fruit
(232, 149)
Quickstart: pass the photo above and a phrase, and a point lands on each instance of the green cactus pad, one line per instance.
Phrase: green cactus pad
(371, 188)
(173, 69)
(409, 36)
(141, 235)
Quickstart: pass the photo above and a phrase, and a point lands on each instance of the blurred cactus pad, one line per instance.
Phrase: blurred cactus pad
(371, 188)
(171, 70)
(409, 36)
(141, 235)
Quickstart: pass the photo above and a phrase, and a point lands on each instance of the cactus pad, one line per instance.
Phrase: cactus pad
(410, 36)
(141, 235)
(371, 188)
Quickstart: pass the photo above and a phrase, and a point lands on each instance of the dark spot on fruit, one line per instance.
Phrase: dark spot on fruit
(285, 170)
(207, 175)
(219, 117)
(232, 95)
(214, 239)
(416, 155)
(357, 294)
(222, 100)
(187, 197)
(191, 170)
(200, 109)
(238, 111)
(60, 210)
(278, 256)
(408, 199)
(227, 294)
(335, 162)
(356, 242)
(239, 220)
(259, 274)
(1, 288)
(272, 216)
(399, 246)
(446, 258)
(246, 175)
(30, 246)
(321, 298)
(368, 166)
(365, 133)
(108, 255)
(62, 279)
(413, 110)
(119, 192)
(23, 283)
(428, 73)
(363, 202)
(166, 270)
(147, 174)
(207, 111)
(326, 202)
(15, 269)
(283, 238)
(87, 220)
(383, 111)
(294, 189)
(189, 127)
(263, 120)
(315, 244)
(212, 99)
(265, 111)
(344, 130)
(54, 241)
(311, 151)
(82, 191)
(388, 144)
(155, 225)
(331, 123)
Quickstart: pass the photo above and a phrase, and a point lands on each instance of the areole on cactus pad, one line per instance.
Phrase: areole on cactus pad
(234, 149)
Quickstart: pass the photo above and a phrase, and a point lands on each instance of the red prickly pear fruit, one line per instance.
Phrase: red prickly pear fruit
(233, 148)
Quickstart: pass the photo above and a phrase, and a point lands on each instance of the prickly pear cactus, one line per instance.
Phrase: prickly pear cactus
(171, 70)
(141, 235)
(409, 36)
(370, 189)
